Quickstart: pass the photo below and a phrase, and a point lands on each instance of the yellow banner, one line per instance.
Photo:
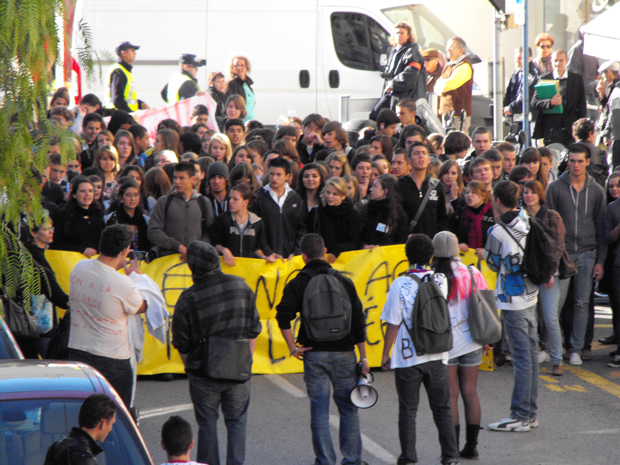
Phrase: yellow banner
(372, 271)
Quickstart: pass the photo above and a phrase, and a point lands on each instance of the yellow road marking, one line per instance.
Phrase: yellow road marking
(549, 379)
(553, 387)
(603, 326)
(576, 387)
(594, 379)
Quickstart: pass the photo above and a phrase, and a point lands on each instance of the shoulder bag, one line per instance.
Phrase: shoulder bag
(225, 359)
(484, 324)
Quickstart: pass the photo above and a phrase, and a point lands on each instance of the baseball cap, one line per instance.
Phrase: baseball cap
(189, 59)
(126, 46)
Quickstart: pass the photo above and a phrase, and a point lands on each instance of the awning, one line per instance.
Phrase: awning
(602, 35)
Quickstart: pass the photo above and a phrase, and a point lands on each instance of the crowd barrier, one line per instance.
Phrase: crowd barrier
(372, 271)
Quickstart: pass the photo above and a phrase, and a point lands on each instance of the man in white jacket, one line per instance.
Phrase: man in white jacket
(516, 298)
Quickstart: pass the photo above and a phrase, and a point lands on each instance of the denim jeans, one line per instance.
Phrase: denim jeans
(615, 301)
(434, 376)
(207, 396)
(551, 340)
(118, 372)
(339, 368)
(582, 290)
(521, 331)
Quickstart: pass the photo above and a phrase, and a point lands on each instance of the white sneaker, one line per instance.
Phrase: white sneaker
(534, 423)
(510, 424)
(543, 356)
(575, 359)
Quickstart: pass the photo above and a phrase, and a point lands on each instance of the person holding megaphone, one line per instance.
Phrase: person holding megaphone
(332, 324)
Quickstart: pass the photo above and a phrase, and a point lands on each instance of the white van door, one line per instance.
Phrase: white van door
(352, 42)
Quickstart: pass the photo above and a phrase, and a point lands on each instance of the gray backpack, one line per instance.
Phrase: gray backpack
(326, 308)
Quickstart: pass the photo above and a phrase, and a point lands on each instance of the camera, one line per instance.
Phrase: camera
(137, 255)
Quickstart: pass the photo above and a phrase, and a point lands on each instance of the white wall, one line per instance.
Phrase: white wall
(473, 21)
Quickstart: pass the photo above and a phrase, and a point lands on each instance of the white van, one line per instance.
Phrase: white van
(304, 55)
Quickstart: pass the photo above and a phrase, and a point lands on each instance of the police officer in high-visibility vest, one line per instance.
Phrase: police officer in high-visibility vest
(184, 84)
(122, 94)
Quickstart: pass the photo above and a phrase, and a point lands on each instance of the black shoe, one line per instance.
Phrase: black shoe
(614, 353)
(470, 453)
(608, 340)
(499, 359)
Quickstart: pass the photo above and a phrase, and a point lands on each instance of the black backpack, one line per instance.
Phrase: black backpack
(326, 308)
(539, 263)
(431, 331)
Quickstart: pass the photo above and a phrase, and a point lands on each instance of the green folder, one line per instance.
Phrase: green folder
(546, 89)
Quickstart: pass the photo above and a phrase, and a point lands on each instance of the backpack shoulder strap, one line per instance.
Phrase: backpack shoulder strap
(415, 278)
(167, 206)
(512, 236)
(191, 298)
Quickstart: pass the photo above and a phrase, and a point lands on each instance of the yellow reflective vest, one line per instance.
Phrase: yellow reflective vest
(175, 85)
(130, 95)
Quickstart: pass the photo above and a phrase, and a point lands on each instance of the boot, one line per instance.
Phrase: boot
(471, 436)
(457, 430)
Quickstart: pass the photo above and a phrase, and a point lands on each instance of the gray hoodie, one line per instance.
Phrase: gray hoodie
(583, 214)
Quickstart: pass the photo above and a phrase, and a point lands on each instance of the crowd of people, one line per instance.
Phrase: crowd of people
(256, 192)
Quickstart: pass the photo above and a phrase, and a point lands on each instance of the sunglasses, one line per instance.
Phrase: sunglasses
(545, 46)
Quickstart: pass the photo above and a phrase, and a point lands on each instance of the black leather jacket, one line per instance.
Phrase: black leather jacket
(82, 448)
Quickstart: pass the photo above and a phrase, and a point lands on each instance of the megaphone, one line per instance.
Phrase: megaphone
(364, 395)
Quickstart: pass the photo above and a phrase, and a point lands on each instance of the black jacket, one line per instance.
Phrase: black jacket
(574, 103)
(225, 232)
(406, 74)
(284, 227)
(75, 231)
(291, 304)
(340, 227)
(220, 99)
(514, 92)
(54, 292)
(76, 448)
(138, 224)
(375, 216)
(434, 217)
(302, 150)
(235, 87)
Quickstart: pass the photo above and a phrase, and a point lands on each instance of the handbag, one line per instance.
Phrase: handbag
(224, 359)
(567, 268)
(22, 323)
(58, 346)
(484, 324)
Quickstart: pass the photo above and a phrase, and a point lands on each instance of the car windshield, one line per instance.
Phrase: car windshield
(429, 30)
(29, 427)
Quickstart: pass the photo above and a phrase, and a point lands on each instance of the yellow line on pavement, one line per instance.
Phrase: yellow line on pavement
(603, 326)
(549, 379)
(594, 379)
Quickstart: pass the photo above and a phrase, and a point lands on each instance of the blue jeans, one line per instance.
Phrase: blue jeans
(521, 331)
(551, 341)
(118, 372)
(434, 376)
(341, 369)
(582, 289)
(207, 395)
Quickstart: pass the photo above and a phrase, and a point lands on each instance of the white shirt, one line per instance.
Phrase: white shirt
(100, 299)
(397, 308)
(274, 196)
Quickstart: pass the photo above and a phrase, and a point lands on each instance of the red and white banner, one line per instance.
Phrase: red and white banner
(180, 112)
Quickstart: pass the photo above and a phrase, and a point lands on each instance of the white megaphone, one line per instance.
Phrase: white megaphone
(364, 395)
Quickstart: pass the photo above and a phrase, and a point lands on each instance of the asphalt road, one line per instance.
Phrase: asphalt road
(578, 415)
